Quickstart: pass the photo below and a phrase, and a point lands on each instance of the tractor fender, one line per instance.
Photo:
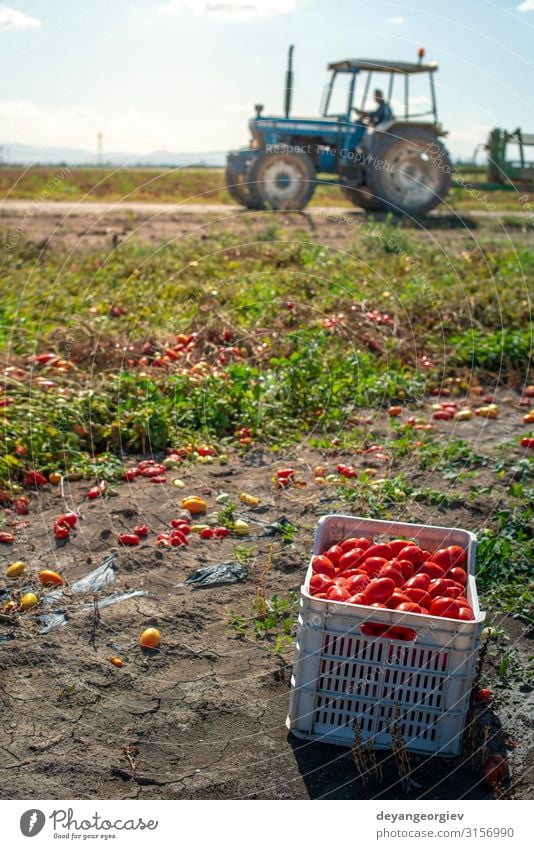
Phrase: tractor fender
(240, 161)
(391, 127)
(375, 135)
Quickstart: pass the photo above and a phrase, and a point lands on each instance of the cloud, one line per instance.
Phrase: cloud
(526, 6)
(240, 10)
(15, 19)
(395, 21)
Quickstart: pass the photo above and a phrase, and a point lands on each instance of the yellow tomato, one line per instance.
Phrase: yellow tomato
(28, 601)
(249, 500)
(241, 528)
(15, 569)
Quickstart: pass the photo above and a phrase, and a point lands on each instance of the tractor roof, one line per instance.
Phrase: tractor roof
(350, 65)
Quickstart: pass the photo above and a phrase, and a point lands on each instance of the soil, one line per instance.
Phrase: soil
(204, 716)
(86, 226)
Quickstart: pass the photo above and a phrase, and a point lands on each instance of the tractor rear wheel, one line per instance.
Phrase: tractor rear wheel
(238, 187)
(281, 181)
(360, 196)
(415, 171)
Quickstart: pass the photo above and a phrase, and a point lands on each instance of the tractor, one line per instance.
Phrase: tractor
(400, 165)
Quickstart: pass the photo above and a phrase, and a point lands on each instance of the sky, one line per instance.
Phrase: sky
(183, 75)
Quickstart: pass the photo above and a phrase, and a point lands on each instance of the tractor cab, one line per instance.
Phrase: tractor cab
(399, 164)
(350, 85)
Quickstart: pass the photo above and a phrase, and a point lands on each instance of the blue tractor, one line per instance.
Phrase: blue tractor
(399, 164)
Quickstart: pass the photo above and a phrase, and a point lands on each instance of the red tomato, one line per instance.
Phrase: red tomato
(527, 442)
(334, 553)
(404, 566)
(320, 583)
(20, 506)
(483, 695)
(320, 595)
(128, 539)
(414, 554)
(409, 607)
(336, 593)
(69, 518)
(388, 571)
(178, 538)
(447, 607)
(349, 573)
(378, 604)
(398, 544)
(380, 589)
(351, 559)
(321, 565)
(34, 478)
(207, 533)
(141, 530)
(359, 598)
(432, 569)
(397, 597)
(419, 582)
(372, 629)
(7, 538)
(494, 770)
(465, 613)
(355, 542)
(419, 596)
(448, 557)
(356, 584)
(458, 574)
(94, 492)
(61, 530)
(371, 565)
(220, 533)
(380, 550)
(129, 475)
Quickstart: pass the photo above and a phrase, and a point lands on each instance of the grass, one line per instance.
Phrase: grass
(194, 185)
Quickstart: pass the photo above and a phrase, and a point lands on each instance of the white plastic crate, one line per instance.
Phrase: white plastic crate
(341, 676)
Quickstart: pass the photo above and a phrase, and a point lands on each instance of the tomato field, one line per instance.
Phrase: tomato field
(199, 394)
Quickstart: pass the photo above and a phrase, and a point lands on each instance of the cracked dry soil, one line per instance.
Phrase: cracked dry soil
(204, 717)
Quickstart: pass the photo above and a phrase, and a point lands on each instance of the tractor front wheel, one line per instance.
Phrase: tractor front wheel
(410, 172)
(238, 187)
(281, 181)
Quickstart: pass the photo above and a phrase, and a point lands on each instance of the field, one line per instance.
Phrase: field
(205, 185)
(265, 341)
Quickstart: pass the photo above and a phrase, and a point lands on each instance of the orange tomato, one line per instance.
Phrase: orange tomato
(194, 504)
(150, 638)
(50, 579)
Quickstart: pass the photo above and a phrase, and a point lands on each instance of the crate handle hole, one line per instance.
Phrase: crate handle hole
(388, 632)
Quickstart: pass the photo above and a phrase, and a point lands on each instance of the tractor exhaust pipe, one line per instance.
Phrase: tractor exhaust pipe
(289, 83)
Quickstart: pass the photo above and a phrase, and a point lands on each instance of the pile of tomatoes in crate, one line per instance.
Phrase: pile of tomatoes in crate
(397, 575)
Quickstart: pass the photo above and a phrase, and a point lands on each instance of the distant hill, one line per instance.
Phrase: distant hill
(24, 154)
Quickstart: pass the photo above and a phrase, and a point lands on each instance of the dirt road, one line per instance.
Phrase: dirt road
(83, 226)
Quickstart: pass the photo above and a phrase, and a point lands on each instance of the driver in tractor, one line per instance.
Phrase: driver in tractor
(381, 114)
